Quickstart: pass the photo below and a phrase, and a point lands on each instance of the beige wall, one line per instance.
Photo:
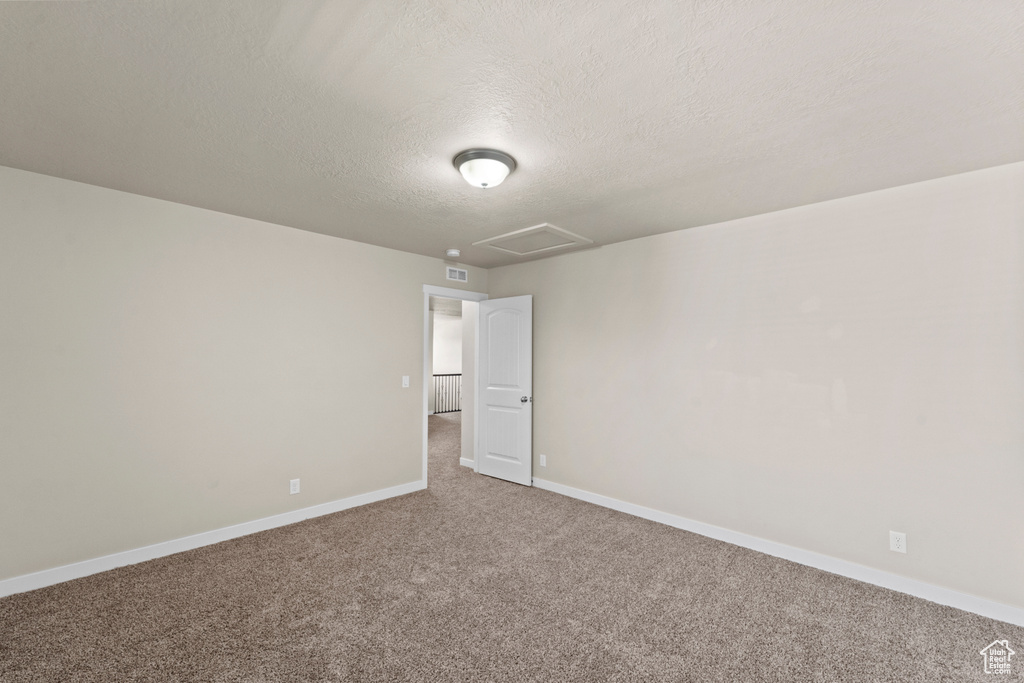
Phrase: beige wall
(815, 377)
(166, 370)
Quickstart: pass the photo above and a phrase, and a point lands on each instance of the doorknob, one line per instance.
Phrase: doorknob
(524, 399)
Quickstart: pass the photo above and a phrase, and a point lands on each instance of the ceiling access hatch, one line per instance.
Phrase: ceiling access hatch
(535, 240)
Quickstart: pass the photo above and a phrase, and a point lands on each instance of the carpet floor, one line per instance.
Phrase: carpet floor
(476, 579)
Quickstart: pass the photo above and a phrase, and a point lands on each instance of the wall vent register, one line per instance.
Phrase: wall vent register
(458, 274)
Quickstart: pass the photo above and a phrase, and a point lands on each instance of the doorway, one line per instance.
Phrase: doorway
(449, 362)
(447, 334)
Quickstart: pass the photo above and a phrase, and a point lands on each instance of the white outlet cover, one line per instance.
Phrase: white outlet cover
(543, 460)
(293, 486)
(898, 541)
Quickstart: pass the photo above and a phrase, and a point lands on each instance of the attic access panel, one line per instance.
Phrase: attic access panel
(535, 240)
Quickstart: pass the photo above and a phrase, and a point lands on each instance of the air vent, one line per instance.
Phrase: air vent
(458, 274)
(535, 240)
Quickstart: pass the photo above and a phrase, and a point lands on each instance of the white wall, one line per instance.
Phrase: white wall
(166, 369)
(470, 315)
(430, 362)
(447, 344)
(815, 377)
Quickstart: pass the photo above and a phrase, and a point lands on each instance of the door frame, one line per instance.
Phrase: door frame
(447, 293)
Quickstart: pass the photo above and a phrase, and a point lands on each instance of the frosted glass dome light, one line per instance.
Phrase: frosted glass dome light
(484, 167)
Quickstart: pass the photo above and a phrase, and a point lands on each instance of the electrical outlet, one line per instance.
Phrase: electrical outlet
(293, 486)
(897, 541)
(405, 381)
(543, 460)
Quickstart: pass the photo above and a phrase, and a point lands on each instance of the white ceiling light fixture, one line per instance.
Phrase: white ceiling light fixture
(453, 253)
(484, 167)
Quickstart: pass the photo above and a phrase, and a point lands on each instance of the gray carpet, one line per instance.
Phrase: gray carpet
(480, 580)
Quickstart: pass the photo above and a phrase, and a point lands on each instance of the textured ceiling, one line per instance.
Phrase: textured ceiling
(627, 118)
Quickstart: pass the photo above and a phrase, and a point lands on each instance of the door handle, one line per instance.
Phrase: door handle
(524, 399)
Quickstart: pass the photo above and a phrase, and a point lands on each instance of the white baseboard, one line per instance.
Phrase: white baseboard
(49, 577)
(466, 462)
(901, 584)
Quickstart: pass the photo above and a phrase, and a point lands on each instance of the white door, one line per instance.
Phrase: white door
(505, 389)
